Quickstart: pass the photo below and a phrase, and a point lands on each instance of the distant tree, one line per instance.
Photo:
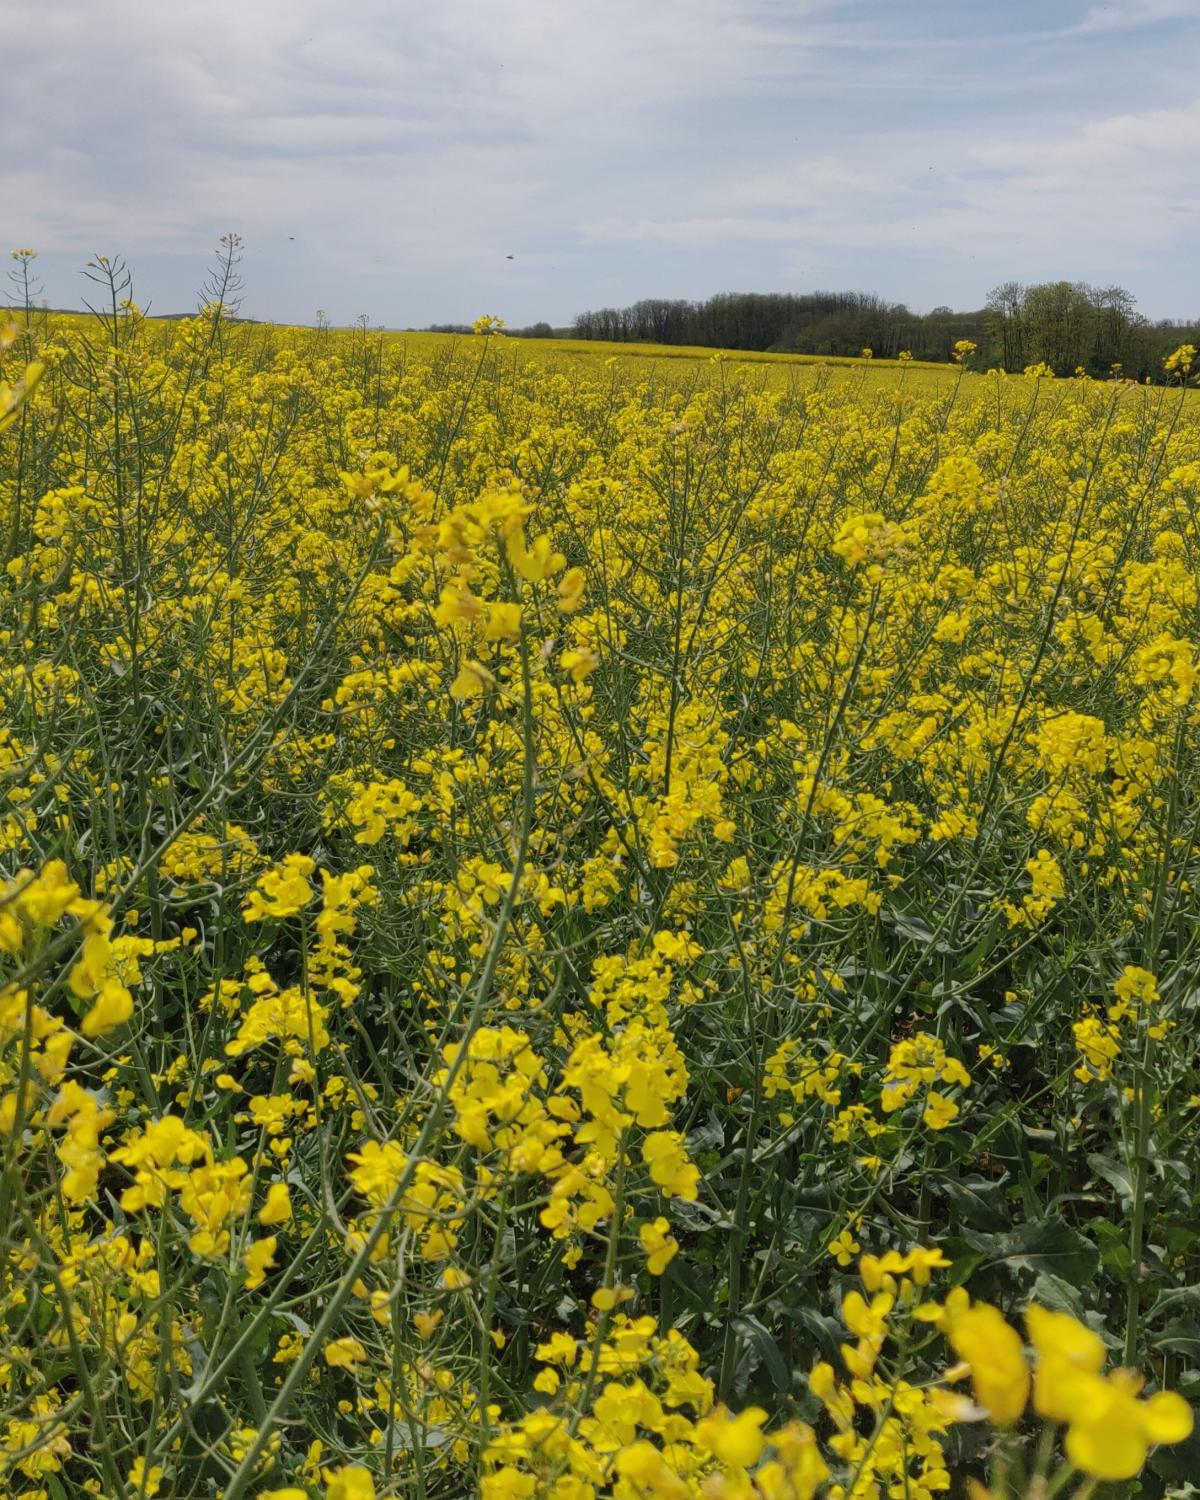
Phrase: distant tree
(1006, 324)
(1060, 316)
(1117, 325)
(1066, 324)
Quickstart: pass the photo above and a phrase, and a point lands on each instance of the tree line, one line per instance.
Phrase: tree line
(1065, 325)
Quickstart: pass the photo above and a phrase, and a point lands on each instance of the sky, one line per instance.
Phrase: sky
(429, 162)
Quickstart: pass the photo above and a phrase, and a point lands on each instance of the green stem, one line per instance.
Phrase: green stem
(1139, 1168)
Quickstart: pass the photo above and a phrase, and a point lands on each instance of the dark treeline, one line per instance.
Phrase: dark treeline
(1063, 324)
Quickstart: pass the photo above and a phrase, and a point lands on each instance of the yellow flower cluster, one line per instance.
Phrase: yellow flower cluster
(781, 788)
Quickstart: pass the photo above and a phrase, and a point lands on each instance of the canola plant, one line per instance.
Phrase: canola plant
(576, 925)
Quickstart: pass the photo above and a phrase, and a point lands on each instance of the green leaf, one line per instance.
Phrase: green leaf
(1180, 1336)
(1116, 1174)
(1114, 1247)
(1053, 1292)
(826, 1333)
(977, 1202)
(750, 1331)
(1180, 1461)
(1052, 1245)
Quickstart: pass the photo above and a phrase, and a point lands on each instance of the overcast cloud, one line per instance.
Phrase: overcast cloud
(387, 157)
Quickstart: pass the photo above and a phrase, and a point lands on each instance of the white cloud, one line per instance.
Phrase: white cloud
(613, 146)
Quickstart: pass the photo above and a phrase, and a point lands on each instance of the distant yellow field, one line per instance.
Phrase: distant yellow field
(680, 356)
(594, 347)
(572, 351)
(863, 376)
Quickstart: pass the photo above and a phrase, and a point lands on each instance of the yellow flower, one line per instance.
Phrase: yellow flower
(472, 681)
(113, 1007)
(257, 1258)
(344, 1353)
(281, 892)
(920, 1263)
(939, 1111)
(12, 398)
(1136, 988)
(669, 1165)
(570, 591)
(953, 1406)
(837, 1399)
(659, 1244)
(458, 606)
(145, 1482)
(943, 1314)
(351, 1483)
(1112, 1431)
(645, 1467)
(503, 622)
(1067, 1353)
(867, 1320)
(579, 663)
(844, 1247)
(605, 1298)
(278, 1207)
(999, 1372)
(1109, 1430)
(533, 563)
(734, 1440)
(862, 537)
(1098, 1045)
(798, 1470)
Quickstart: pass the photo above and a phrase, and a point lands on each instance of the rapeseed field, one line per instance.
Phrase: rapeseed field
(581, 924)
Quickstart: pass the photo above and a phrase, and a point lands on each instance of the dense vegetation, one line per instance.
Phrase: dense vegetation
(577, 927)
(1064, 325)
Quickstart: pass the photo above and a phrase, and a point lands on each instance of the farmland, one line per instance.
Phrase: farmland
(592, 921)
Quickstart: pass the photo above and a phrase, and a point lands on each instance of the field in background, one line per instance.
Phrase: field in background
(590, 921)
(593, 350)
(782, 367)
